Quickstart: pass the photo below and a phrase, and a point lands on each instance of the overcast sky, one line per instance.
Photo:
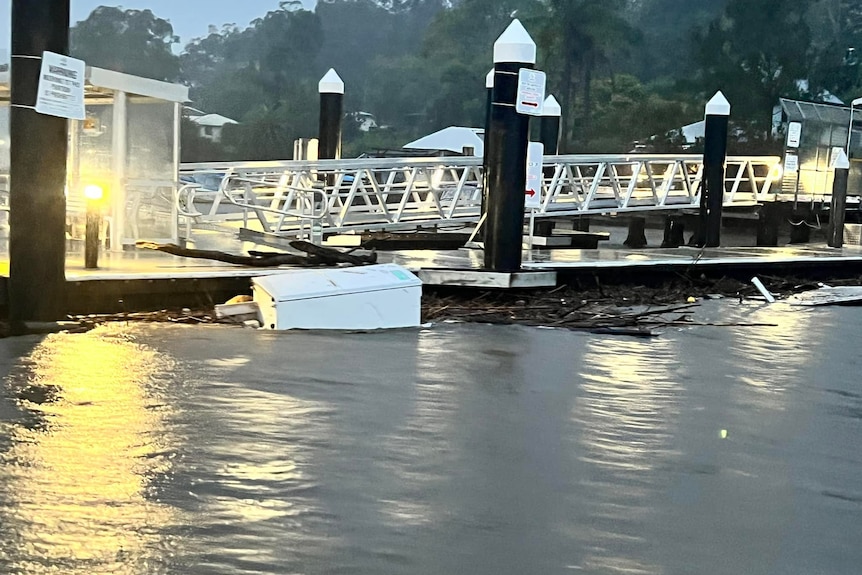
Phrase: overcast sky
(190, 18)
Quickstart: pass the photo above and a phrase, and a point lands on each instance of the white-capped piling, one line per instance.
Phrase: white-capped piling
(841, 166)
(331, 89)
(717, 115)
(549, 126)
(506, 152)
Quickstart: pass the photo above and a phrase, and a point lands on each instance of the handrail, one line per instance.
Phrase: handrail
(397, 193)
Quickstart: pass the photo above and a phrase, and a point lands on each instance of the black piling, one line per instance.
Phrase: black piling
(331, 89)
(549, 126)
(800, 229)
(506, 152)
(37, 214)
(637, 233)
(769, 219)
(714, 155)
(674, 232)
(839, 197)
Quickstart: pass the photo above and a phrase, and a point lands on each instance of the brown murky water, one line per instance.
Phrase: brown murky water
(139, 449)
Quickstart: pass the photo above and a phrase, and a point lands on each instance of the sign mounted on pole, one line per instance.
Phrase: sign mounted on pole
(531, 92)
(61, 87)
(533, 189)
(794, 134)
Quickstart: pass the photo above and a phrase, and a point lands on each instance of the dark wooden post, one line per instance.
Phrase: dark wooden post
(506, 149)
(94, 195)
(37, 215)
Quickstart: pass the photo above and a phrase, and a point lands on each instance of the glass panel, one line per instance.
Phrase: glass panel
(4, 171)
(4, 139)
(151, 132)
(90, 149)
(150, 170)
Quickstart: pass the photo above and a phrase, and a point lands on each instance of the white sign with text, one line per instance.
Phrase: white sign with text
(531, 92)
(61, 87)
(533, 189)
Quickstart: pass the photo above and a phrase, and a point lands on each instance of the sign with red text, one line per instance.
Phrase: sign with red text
(531, 92)
(533, 189)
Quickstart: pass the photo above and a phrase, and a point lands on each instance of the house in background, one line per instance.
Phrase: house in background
(454, 140)
(365, 121)
(210, 126)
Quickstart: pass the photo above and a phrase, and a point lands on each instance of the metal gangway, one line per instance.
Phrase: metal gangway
(312, 198)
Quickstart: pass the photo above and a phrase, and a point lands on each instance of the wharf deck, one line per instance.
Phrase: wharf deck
(143, 279)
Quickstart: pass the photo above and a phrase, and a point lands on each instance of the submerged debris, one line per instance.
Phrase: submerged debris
(606, 309)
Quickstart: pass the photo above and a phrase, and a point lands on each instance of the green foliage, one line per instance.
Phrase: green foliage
(836, 27)
(131, 41)
(623, 70)
(755, 52)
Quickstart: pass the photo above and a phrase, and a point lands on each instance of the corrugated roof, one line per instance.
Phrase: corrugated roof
(799, 111)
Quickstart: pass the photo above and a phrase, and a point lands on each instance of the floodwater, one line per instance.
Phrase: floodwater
(156, 449)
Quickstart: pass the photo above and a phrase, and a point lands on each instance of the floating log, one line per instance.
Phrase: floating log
(316, 255)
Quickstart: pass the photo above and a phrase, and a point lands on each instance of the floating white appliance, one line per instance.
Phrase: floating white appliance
(362, 297)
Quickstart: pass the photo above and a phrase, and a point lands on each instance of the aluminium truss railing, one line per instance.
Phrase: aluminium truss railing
(291, 198)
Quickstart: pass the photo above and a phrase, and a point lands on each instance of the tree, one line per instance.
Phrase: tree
(836, 27)
(755, 52)
(578, 37)
(131, 41)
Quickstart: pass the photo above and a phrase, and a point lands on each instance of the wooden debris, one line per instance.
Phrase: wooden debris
(315, 255)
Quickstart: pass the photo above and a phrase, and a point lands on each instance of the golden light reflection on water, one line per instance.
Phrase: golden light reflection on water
(625, 416)
(263, 456)
(628, 403)
(422, 435)
(80, 480)
(772, 355)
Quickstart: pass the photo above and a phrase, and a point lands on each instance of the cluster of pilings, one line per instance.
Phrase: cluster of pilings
(39, 148)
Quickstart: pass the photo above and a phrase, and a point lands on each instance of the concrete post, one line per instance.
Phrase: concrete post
(37, 215)
(714, 155)
(839, 197)
(549, 126)
(331, 89)
(506, 152)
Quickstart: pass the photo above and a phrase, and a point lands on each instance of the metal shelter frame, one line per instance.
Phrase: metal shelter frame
(130, 195)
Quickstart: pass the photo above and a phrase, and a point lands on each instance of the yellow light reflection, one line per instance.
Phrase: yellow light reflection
(628, 404)
(625, 417)
(422, 435)
(93, 192)
(79, 482)
(774, 353)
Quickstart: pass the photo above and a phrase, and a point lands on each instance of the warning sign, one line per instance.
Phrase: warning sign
(531, 92)
(61, 87)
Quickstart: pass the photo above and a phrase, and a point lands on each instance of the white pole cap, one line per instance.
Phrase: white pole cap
(551, 107)
(718, 105)
(489, 79)
(331, 83)
(841, 162)
(515, 45)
